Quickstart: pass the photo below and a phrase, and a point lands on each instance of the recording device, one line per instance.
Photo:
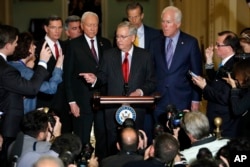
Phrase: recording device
(192, 73)
(174, 116)
(85, 155)
(50, 113)
(223, 72)
(242, 56)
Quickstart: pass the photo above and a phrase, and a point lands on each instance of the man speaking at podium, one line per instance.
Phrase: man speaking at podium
(126, 70)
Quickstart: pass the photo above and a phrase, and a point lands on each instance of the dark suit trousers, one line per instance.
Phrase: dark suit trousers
(82, 127)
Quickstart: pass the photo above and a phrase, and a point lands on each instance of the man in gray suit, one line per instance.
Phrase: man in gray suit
(140, 79)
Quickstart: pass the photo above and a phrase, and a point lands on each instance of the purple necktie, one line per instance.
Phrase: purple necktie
(93, 50)
(169, 52)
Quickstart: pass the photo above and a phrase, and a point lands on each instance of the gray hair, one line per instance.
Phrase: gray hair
(132, 28)
(178, 13)
(69, 19)
(85, 14)
(196, 124)
(57, 160)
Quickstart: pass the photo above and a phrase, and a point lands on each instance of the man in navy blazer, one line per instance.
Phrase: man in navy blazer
(174, 83)
(13, 88)
(141, 80)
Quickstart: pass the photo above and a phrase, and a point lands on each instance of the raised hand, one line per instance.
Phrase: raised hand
(45, 53)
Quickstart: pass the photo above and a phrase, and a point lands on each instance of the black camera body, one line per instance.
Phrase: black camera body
(174, 116)
(85, 155)
(223, 72)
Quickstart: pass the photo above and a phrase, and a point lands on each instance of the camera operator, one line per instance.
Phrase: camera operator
(196, 126)
(127, 144)
(240, 95)
(163, 152)
(215, 90)
(67, 147)
(36, 134)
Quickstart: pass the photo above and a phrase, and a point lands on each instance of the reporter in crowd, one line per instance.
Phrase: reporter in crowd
(196, 126)
(163, 152)
(36, 134)
(66, 146)
(23, 60)
(13, 87)
(215, 90)
(240, 95)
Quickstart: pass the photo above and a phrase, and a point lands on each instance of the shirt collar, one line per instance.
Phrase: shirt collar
(50, 42)
(88, 39)
(140, 30)
(223, 62)
(3, 56)
(130, 51)
(175, 38)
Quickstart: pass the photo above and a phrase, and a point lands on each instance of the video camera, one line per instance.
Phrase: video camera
(81, 160)
(174, 116)
(223, 72)
(85, 155)
(50, 113)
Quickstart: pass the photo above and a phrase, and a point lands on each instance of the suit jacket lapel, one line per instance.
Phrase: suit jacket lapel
(117, 64)
(87, 49)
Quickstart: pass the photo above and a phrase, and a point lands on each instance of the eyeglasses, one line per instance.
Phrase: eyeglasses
(220, 45)
(122, 37)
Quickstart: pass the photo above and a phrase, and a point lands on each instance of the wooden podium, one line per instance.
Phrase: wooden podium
(125, 104)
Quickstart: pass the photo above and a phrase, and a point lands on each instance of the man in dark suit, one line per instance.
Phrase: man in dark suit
(79, 59)
(172, 65)
(174, 54)
(160, 154)
(217, 91)
(13, 87)
(145, 35)
(139, 81)
(127, 144)
(57, 102)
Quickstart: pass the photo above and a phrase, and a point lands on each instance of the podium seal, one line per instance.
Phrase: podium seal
(123, 113)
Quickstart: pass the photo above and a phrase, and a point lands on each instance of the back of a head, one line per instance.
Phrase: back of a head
(128, 139)
(166, 148)
(67, 143)
(8, 34)
(48, 161)
(195, 124)
(204, 153)
(22, 49)
(231, 39)
(205, 162)
(34, 122)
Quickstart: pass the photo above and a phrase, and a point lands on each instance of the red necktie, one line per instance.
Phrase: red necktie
(125, 68)
(56, 51)
(93, 50)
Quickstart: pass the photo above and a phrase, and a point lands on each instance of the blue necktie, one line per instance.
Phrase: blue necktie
(169, 52)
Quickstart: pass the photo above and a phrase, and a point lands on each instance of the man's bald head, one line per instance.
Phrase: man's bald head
(128, 139)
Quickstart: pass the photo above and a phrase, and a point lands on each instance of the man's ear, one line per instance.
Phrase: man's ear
(118, 146)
